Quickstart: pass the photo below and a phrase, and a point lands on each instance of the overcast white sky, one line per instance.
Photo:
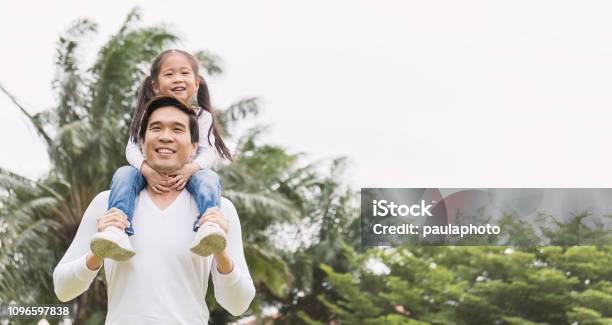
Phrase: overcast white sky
(416, 93)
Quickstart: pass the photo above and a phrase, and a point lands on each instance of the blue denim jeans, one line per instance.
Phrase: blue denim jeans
(204, 185)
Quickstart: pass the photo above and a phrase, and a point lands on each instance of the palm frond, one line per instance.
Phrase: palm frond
(24, 237)
(239, 111)
(68, 81)
(210, 62)
(269, 270)
(237, 176)
(270, 205)
(10, 180)
(247, 140)
(35, 122)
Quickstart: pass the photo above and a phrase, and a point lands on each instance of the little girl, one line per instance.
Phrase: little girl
(172, 73)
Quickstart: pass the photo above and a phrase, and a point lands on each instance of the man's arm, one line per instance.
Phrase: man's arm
(72, 276)
(234, 290)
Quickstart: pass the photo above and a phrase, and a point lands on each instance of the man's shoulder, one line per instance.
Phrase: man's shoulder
(228, 209)
(101, 198)
(227, 205)
(97, 206)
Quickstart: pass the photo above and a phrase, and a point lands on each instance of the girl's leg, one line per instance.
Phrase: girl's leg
(205, 186)
(126, 184)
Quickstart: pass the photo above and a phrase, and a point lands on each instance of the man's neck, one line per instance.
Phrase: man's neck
(163, 200)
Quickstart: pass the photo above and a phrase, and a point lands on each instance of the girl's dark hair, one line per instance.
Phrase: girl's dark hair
(146, 92)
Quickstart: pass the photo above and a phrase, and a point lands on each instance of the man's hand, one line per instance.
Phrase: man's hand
(93, 262)
(157, 181)
(214, 215)
(113, 217)
(179, 178)
(224, 261)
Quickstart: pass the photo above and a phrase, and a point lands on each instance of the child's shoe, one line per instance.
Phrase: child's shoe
(112, 243)
(209, 239)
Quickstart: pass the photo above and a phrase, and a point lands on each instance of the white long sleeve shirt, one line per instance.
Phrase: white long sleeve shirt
(164, 283)
(205, 157)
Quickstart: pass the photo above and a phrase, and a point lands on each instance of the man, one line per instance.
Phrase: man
(164, 283)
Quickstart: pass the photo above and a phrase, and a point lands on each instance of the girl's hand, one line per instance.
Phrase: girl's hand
(179, 178)
(157, 181)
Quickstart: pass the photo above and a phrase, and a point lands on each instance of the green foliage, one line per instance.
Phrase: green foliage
(269, 269)
(586, 316)
(596, 300)
(475, 285)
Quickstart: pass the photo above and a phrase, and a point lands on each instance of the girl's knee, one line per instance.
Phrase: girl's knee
(207, 177)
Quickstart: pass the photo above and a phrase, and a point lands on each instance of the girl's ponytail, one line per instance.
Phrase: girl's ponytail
(145, 93)
(204, 102)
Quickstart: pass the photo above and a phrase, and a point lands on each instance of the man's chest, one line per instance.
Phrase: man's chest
(165, 232)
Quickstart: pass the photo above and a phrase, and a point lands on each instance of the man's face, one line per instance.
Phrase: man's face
(167, 141)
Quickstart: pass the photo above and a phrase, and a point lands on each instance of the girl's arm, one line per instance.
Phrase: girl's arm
(71, 276)
(206, 155)
(134, 155)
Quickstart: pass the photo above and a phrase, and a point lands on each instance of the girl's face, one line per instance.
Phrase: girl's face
(176, 78)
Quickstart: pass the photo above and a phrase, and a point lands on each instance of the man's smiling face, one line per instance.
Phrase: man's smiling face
(167, 142)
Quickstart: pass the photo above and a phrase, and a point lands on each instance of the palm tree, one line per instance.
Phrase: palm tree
(85, 134)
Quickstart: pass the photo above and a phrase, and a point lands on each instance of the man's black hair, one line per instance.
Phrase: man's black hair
(165, 101)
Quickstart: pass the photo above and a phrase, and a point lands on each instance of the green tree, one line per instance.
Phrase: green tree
(474, 285)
